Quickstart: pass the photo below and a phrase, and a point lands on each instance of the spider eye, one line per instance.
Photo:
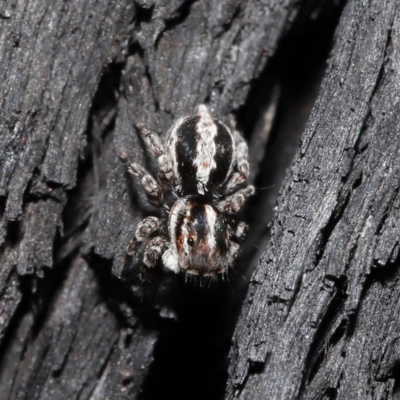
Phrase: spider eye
(190, 242)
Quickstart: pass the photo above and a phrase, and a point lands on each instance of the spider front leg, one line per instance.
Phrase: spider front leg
(145, 228)
(143, 255)
(149, 250)
(155, 248)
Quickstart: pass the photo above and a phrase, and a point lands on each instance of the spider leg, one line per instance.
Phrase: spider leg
(232, 252)
(239, 177)
(152, 188)
(233, 244)
(146, 227)
(132, 248)
(153, 143)
(170, 260)
(241, 231)
(154, 250)
(232, 203)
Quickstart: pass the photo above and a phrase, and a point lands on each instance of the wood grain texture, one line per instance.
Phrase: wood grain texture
(52, 57)
(318, 321)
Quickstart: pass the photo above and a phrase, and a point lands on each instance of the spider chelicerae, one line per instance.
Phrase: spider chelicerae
(201, 183)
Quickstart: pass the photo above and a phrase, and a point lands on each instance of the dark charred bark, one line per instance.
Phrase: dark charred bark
(320, 314)
(320, 320)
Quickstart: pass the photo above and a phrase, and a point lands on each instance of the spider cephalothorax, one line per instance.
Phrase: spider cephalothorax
(201, 183)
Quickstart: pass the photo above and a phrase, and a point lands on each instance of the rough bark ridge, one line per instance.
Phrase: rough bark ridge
(321, 315)
(75, 77)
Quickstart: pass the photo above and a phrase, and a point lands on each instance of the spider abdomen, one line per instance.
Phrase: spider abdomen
(202, 152)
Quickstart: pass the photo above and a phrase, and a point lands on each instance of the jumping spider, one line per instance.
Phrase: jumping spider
(201, 183)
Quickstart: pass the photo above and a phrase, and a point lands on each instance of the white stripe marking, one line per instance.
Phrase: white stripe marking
(206, 149)
(211, 217)
(172, 139)
(177, 209)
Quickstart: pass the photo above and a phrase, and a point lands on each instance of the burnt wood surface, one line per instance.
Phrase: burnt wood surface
(320, 320)
(320, 316)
